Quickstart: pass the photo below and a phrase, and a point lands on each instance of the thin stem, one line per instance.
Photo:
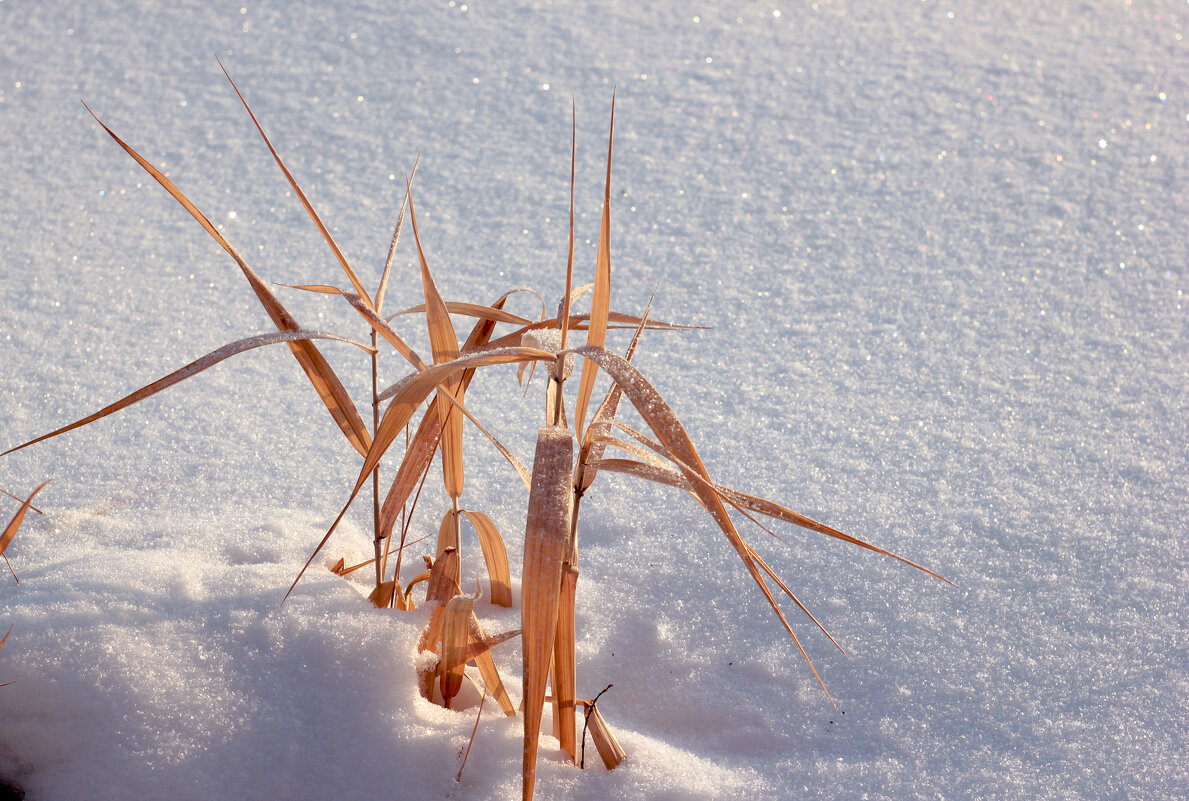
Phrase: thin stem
(376, 472)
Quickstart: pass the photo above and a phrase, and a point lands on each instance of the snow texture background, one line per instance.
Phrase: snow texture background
(939, 247)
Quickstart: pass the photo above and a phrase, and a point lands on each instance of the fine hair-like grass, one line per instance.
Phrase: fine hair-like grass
(572, 448)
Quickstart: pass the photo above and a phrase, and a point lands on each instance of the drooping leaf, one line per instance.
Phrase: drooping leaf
(673, 436)
(312, 362)
(193, 368)
(495, 556)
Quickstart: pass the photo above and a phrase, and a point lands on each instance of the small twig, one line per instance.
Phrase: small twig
(586, 721)
(14, 573)
(15, 498)
(458, 778)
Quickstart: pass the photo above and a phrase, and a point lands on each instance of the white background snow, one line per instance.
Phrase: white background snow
(943, 250)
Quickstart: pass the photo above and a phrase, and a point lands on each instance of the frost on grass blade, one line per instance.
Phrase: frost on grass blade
(546, 537)
(193, 368)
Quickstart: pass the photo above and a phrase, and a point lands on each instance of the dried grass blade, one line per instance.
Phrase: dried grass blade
(15, 498)
(608, 746)
(545, 542)
(312, 362)
(191, 369)
(417, 459)
(425, 441)
(600, 305)
(10, 530)
(456, 633)
(564, 312)
(472, 310)
(511, 458)
(448, 538)
(338, 254)
(479, 650)
(672, 435)
(318, 289)
(407, 395)
(400, 220)
(495, 556)
(593, 451)
(481, 643)
(444, 342)
(778, 512)
(382, 595)
(564, 663)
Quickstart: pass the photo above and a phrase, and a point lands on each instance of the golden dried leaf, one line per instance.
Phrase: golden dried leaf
(193, 368)
(407, 395)
(382, 595)
(448, 538)
(472, 310)
(546, 539)
(456, 631)
(609, 748)
(600, 305)
(564, 664)
(312, 362)
(444, 342)
(479, 650)
(495, 556)
(672, 435)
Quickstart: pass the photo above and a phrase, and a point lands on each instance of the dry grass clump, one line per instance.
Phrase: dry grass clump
(572, 448)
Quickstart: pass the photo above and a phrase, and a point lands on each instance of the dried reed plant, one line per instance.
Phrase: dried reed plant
(566, 462)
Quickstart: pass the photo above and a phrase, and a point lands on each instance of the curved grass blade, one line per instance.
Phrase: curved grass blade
(744, 501)
(672, 434)
(10, 530)
(312, 362)
(338, 254)
(471, 310)
(377, 322)
(425, 441)
(407, 395)
(495, 556)
(193, 368)
(456, 634)
(605, 415)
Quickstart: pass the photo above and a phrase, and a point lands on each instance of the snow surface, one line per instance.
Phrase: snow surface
(938, 244)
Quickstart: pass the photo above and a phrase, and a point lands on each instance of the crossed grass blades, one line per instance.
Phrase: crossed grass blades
(570, 452)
